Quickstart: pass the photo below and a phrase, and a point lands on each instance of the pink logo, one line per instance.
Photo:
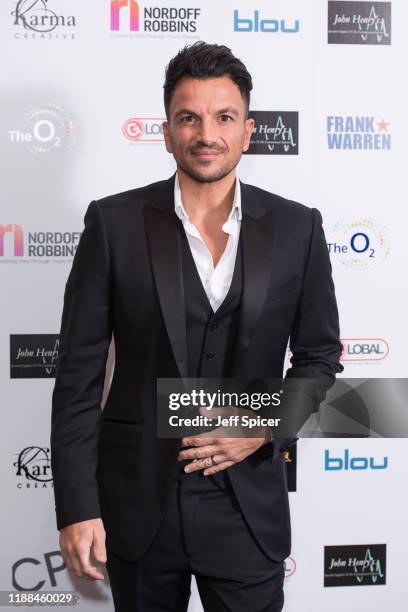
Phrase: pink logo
(133, 129)
(117, 6)
(18, 239)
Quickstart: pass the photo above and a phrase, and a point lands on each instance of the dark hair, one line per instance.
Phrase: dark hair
(203, 61)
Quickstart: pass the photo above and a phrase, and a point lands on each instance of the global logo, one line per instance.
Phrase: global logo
(364, 349)
(360, 133)
(336, 464)
(290, 567)
(143, 129)
(45, 130)
(256, 24)
(38, 20)
(33, 464)
(359, 244)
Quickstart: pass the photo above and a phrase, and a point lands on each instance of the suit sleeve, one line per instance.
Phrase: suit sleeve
(84, 340)
(314, 340)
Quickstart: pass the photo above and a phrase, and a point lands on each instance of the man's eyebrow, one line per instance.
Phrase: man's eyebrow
(228, 109)
(184, 111)
(222, 111)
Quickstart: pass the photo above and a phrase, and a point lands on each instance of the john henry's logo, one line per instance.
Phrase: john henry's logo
(352, 463)
(33, 355)
(17, 237)
(33, 464)
(117, 6)
(275, 133)
(127, 15)
(364, 349)
(354, 565)
(360, 244)
(358, 133)
(255, 24)
(360, 23)
(143, 129)
(35, 15)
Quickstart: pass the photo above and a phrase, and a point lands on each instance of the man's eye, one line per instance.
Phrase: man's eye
(187, 119)
(225, 118)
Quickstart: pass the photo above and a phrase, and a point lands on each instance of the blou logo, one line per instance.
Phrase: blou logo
(264, 25)
(353, 463)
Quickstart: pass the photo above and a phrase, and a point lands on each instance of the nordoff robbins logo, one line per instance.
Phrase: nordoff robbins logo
(364, 349)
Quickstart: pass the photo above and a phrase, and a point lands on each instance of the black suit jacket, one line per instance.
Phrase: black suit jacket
(126, 280)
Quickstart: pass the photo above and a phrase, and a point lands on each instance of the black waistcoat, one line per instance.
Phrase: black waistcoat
(211, 336)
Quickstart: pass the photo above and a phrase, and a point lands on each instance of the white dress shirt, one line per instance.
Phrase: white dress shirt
(216, 281)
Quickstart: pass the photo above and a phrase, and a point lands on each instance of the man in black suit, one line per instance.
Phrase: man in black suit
(199, 275)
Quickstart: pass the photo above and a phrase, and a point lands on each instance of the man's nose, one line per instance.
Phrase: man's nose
(207, 132)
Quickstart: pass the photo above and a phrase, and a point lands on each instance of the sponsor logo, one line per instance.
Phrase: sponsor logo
(38, 19)
(46, 570)
(290, 458)
(255, 23)
(44, 130)
(364, 349)
(275, 133)
(33, 468)
(17, 246)
(143, 129)
(360, 133)
(128, 17)
(33, 356)
(354, 565)
(359, 23)
(290, 567)
(359, 244)
(352, 463)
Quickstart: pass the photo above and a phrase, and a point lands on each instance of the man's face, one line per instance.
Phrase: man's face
(207, 130)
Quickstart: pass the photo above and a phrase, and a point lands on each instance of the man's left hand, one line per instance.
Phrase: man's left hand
(215, 447)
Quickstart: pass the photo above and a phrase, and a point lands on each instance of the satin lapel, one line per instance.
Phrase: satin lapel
(257, 243)
(163, 237)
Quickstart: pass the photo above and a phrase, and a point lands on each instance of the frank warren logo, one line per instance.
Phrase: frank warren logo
(256, 22)
(354, 565)
(275, 133)
(18, 246)
(41, 19)
(346, 462)
(33, 355)
(33, 468)
(359, 244)
(358, 133)
(43, 130)
(359, 23)
(128, 17)
(143, 130)
(363, 350)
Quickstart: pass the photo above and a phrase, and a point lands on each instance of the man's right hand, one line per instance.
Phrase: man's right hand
(77, 541)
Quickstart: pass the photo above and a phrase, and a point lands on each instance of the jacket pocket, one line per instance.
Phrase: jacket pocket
(119, 434)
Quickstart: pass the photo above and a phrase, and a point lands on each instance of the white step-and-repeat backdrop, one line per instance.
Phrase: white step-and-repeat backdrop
(81, 113)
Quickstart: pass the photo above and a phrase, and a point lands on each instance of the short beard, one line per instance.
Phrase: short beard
(218, 176)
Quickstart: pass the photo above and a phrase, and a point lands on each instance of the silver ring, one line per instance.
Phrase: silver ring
(213, 461)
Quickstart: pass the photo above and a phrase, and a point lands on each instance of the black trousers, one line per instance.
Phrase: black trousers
(203, 533)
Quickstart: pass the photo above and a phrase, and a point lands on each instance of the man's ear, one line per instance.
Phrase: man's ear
(166, 134)
(249, 128)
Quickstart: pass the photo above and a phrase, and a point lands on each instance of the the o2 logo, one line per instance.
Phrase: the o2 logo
(360, 244)
(45, 129)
